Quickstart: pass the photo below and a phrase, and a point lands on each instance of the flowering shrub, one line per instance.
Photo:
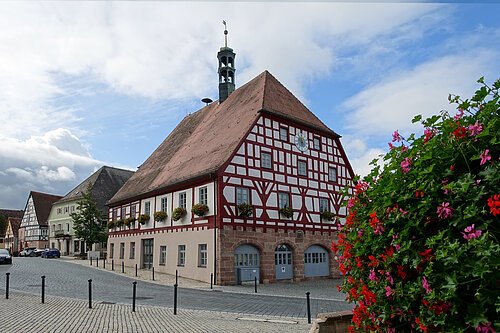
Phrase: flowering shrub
(129, 220)
(328, 216)
(119, 223)
(159, 216)
(245, 210)
(143, 219)
(199, 209)
(111, 224)
(286, 211)
(420, 247)
(178, 213)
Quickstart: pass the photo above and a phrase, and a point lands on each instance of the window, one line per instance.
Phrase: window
(302, 168)
(284, 200)
(132, 210)
(332, 174)
(315, 258)
(204, 195)
(283, 134)
(163, 255)
(111, 249)
(242, 196)
(182, 200)
(316, 143)
(122, 250)
(202, 255)
(147, 207)
(181, 255)
(123, 212)
(72, 208)
(67, 226)
(265, 160)
(114, 214)
(66, 209)
(324, 205)
(163, 204)
(132, 250)
(59, 211)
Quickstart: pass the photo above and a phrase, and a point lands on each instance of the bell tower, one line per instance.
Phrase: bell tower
(226, 69)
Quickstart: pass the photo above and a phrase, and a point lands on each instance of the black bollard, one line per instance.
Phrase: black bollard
(255, 279)
(123, 268)
(104, 263)
(211, 280)
(176, 277)
(308, 308)
(153, 271)
(133, 295)
(90, 293)
(43, 289)
(175, 299)
(97, 262)
(7, 278)
(112, 264)
(90, 261)
(135, 270)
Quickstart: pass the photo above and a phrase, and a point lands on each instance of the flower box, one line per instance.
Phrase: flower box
(199, 209)
(178, 213)
(143, 219)
(160, 216)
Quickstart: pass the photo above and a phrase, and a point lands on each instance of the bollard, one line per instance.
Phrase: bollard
(175, 299)
(308, 308)
(112, 264)
(90, 261)
(176, 276)
(123, 268)
(255, 279)
(133, 295)
(7, 277)
(97, 262)
(211, 280)
(135, 270)
(43, 289)
(104, 263)
(90, 293)
(153, 271)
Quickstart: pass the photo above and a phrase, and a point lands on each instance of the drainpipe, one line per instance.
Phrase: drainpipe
(215, 230)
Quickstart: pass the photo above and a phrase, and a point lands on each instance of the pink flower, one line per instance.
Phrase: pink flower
(405, 165)
(391, 146)
(372, 276)
(396, 136)
(470, 233)
(397, 246)
(444, 211)
(360, 233)
(459, 114)
(389, 278)
(391, 330)
(475, 129)
(426, 285)
(429, 133)
(485, 328)
(485, 157)
(404, 148)
(388, 291)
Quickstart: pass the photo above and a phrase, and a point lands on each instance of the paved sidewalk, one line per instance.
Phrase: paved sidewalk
(319, 289)
(24, 313)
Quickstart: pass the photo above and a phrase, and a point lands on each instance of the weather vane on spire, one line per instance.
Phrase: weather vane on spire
(225, 32)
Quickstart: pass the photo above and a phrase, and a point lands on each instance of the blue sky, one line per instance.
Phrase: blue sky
(103, 83)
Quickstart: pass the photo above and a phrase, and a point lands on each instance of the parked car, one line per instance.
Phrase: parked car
(37, 252)
(5, 257)
(51, 253)
(26, 252)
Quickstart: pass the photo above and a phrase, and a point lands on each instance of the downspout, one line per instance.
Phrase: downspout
(215, 229)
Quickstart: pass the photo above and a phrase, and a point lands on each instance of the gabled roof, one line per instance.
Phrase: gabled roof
(8, 213)
(203, 141)
(14, 222)
(103, 183)
(43, 204)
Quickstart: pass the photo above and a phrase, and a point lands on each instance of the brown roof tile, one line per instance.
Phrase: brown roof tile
(15, 222)
(204, 141)
(43, 204)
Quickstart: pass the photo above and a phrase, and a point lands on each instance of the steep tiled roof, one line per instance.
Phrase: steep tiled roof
(15, 222)
(43, 203)
(8, 213)
(204, 140)
(104, 184)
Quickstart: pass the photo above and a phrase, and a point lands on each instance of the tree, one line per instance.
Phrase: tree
(88, 221)
(3, 225)
(420, 247)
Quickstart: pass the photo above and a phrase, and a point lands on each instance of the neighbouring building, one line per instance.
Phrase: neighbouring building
(103, 185)
(12, 235)
(33, 231)
(5, 214)
(251, 186)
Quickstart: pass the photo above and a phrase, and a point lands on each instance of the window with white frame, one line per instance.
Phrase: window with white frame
(147, 207)
(163, 255)
(115, 212)
(202, 255)
(284, 200)
(123, 212)
(132, 250)
(181, 255)
(324, 205)
(265, 160)
(66, 209)
(316, 143)
(163, 204)
(182, 200)
(302, 168)
(122, 250)
(203, 195)
(242, 196)
(283, 134)
(332, 174)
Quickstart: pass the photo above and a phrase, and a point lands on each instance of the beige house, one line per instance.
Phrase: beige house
(12, 235)
(103, 184)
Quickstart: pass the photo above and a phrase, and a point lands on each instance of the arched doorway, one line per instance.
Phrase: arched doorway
(316, 261)
(283, 262)
(246, 263)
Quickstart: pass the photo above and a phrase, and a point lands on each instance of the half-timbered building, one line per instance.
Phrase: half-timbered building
(249, 186)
